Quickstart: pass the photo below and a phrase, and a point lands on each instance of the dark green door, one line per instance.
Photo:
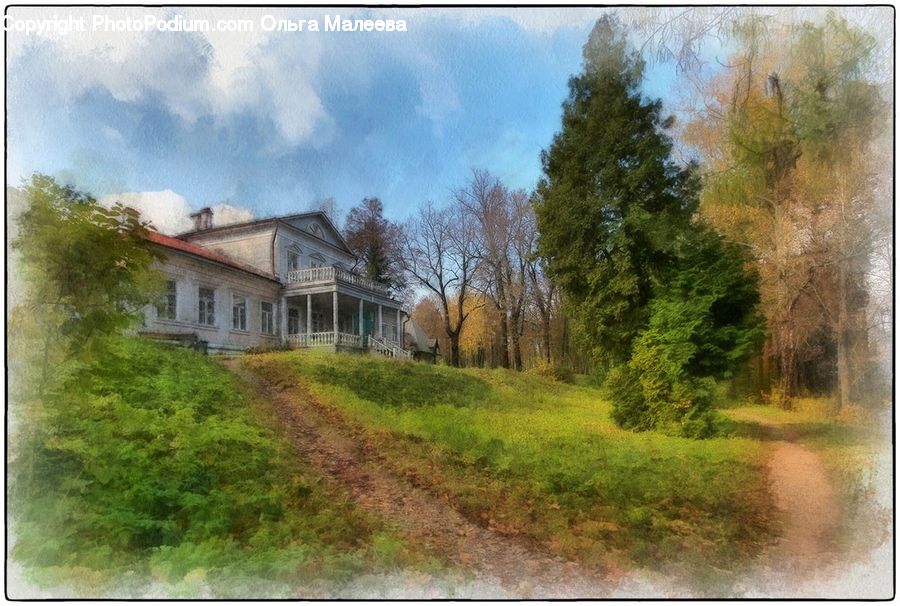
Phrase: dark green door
(367, 323)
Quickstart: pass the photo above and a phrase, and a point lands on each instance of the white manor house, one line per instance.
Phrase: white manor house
(277, 281)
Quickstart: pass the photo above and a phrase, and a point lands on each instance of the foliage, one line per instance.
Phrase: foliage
(267, 347)
(376, 242)
(86, 268)
(539, 458)
(153, 461)
(554, 372)
(701, 328)
(788, 142)
(612, 205)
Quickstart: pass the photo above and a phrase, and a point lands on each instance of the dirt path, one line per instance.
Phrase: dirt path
(810, 507)
(425, 520)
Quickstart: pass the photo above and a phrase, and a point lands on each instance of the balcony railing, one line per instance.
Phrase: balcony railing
(313, 275)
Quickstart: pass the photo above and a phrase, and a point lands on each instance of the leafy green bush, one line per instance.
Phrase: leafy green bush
(554, 372)
(629, 407)
(700, 329)
(151, 459)
(268, 347)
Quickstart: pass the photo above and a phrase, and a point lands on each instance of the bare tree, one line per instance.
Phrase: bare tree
(500, 215)
(543, 294)
(442, 253)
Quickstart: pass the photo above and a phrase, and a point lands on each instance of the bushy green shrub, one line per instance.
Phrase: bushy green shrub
(700, 328)
(268, 347)
(554, 372)
(629, 407)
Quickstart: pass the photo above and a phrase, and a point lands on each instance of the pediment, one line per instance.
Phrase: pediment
(319, 226)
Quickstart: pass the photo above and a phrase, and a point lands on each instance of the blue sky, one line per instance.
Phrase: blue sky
(271, 122)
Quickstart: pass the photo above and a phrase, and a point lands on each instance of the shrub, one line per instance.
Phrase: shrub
(629, 407)
(554, 372)
(268, 348)
(699, 330)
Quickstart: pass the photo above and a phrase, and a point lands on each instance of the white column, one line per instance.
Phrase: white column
(334, 315)
(284, 330)
(361, 333)
(308, 314)
(399, 333)
(380, 323)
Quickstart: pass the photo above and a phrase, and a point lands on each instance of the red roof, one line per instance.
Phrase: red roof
(203, 253)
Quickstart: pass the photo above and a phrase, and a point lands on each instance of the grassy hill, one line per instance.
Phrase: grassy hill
(156, 469)
(152, 469)
(531, 456)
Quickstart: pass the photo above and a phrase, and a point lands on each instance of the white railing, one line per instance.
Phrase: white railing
(334, 274)
(349, 340)
(313, 339)
(311, 274)
(355, 279)
(325, 339)
(391, 349)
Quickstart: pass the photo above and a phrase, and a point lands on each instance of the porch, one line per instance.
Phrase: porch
(342, 321)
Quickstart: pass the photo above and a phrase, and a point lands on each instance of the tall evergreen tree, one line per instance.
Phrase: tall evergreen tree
(375, 241)
(612, 204)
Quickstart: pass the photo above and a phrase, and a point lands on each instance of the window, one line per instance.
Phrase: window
(316, 261)
(266, 318)
(207, 306)
(293, 321)
(168, 309)
(293, 260)
(238, 312)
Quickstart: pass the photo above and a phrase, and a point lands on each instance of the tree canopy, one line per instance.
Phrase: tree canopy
(612, 203)
(375, 241)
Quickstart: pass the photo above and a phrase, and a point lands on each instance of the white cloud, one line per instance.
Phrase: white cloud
(226, 214)
(166, 210)
(192, 74)
(169, 212)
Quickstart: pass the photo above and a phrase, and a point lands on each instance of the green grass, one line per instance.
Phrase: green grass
(542, 459)
(150, 465)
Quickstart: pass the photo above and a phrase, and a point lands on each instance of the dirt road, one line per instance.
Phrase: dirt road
(502, 566)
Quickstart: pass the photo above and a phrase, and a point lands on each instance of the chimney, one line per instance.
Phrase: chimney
(202, 219)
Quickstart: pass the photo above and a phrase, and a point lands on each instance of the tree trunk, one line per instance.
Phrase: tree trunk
(545, 337)
(454, 350)
(504, 338)
(787, 381)
(516, 343)
(842, 330)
